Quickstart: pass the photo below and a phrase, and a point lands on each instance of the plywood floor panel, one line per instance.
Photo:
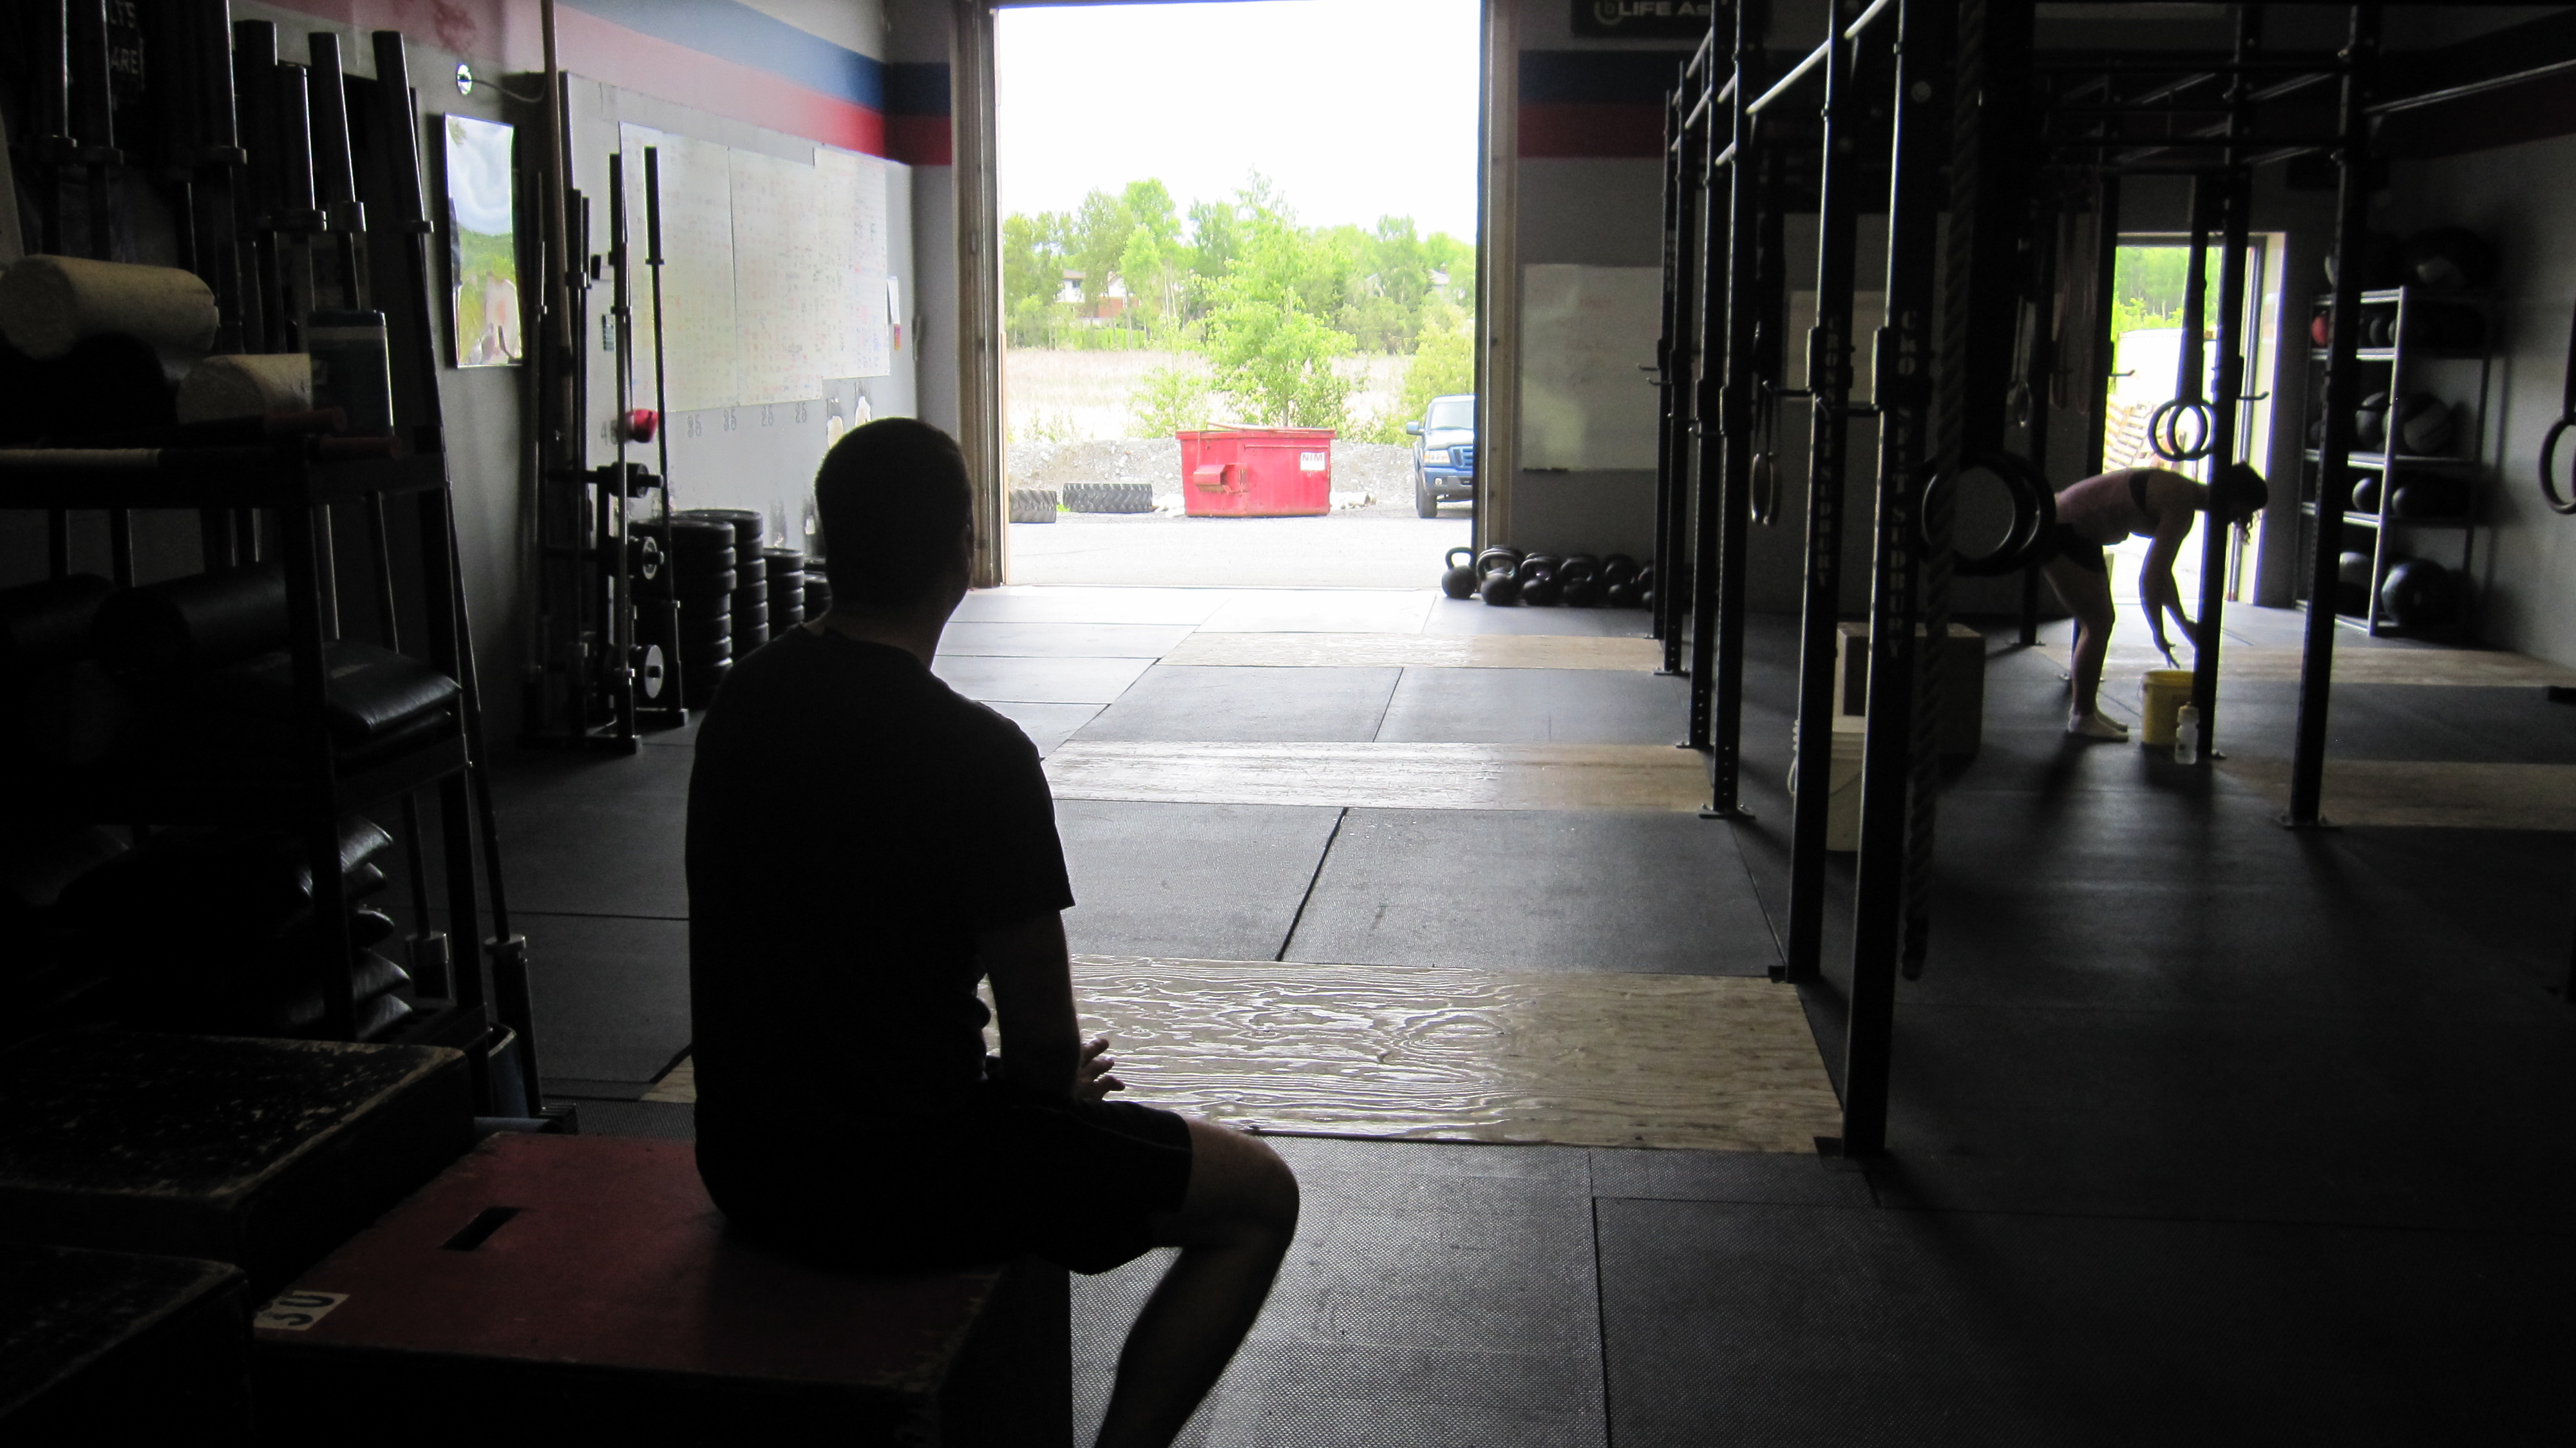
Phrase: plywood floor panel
(1436, 1054)
(1389, 776)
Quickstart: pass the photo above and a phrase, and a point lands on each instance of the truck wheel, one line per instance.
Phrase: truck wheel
(1424, 504)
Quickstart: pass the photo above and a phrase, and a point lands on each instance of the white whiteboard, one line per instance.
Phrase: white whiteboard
(774, 274)
(697, 269)
(1585, 332)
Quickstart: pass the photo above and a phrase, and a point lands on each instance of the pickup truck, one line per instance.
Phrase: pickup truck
(1444, 453)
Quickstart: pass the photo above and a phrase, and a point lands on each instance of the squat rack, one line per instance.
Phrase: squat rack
(1981, 141)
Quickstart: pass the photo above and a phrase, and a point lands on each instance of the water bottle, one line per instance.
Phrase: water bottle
(2187, 735)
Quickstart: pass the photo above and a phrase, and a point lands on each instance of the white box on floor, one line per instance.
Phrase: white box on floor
(1963, 682)
(1842, 800)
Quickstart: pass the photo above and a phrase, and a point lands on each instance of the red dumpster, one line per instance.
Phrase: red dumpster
(1257, 472)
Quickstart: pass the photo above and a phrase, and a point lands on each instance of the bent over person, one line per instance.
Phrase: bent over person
(864, 848)
(2108, 508)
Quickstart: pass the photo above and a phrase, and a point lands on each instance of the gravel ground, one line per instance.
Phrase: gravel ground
(1381, 546)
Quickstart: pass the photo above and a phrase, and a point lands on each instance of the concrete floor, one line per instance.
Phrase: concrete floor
(2203, 1131)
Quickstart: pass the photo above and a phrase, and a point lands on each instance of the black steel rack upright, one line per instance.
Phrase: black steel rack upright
(260, 205)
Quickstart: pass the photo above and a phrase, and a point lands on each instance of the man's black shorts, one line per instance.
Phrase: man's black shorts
(2079, 550)
(1008, 1172)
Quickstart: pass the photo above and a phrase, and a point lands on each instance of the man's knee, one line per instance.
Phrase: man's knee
(1239, 1187)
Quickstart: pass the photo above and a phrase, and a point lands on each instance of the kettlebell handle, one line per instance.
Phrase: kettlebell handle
(1452, 557)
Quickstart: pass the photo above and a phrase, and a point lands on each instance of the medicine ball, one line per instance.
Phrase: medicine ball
(1460, 579)
(2365, 494)
(2424, 426)
(2317, 430)
(2352, 583)
(2321, 328)
(2370, 423)
(2449, 257)
(2379, 327)
(2418, 592)
(2430, 498)
(2383, 262)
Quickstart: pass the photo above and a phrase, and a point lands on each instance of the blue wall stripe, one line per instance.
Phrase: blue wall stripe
(916, 88)
(745, 36)
(1599, 77)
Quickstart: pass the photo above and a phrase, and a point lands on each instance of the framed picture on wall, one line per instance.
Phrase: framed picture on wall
(482, 243)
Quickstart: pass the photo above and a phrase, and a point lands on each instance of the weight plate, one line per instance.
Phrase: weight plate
(750, 614)
(649, 674)
(756, 590)
(699, 585)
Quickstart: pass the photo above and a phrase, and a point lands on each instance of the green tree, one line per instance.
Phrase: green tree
(1169, 400)
(1272, 346)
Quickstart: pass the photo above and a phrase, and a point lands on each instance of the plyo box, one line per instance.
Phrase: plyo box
(1962, 662)
(588, 1285)
(261, 1153)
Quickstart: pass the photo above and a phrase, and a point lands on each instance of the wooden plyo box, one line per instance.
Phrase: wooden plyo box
(1963, 682)
(112, 1347)
(588, 1285)
(264, 1154)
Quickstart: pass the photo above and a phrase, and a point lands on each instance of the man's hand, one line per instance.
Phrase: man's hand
(1091, 1078)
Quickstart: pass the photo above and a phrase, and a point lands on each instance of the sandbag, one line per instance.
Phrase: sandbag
(48, 623)
(368, 692)
(202, 621)
(49, 303)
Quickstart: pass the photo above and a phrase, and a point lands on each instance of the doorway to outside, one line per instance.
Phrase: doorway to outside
(1238, 216)
(2149, 276)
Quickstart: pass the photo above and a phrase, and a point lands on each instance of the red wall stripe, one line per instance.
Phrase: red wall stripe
(1567, 131)
(590, 46)
(918, 140)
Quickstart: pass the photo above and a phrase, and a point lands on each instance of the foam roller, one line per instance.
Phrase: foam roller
(203, 621)
(246, 386)
(49, 303)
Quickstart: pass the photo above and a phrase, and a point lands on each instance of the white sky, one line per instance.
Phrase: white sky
(1355, 109)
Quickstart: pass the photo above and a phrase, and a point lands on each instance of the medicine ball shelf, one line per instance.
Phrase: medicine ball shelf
(2423, 339)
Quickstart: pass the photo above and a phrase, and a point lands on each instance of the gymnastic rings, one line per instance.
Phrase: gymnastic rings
(2564, 504)
(2164, 430)
(2034, 514)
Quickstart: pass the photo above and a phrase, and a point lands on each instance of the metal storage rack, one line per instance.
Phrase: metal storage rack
(2382, 531)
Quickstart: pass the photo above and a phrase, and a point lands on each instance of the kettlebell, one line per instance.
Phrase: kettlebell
(1500, 588)
(1581, 578)
(1542, 592)
(1460, 579)
(1618, 568)
(1497, 559)
(1619, 595)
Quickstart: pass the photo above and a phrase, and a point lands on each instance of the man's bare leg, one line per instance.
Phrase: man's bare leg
(2088, 596)
(1233, 1229)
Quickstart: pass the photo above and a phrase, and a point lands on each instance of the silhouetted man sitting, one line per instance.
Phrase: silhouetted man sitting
(864, 847)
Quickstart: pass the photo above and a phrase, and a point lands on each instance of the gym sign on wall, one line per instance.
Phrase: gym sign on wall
(1643, 19)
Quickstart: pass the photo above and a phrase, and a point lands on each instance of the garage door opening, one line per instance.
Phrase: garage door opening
(1238, 268)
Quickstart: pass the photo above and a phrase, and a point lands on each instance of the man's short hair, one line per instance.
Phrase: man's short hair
(892, 497)
(2239, 493)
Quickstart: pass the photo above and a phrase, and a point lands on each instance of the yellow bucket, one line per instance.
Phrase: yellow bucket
(2161, 695)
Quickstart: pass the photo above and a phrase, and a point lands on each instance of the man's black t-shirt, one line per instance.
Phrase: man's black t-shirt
(853, 823)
